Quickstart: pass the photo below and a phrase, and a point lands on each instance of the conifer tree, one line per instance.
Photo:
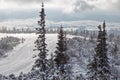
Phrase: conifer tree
(61, 58)
(103, 66)
(99, 68)
(93, 65)
(63, 69)
(41, 63)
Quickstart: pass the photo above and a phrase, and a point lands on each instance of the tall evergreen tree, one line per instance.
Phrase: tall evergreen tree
(41, 63)
(61, 58)
(103, 66)
(93, 66)
(100, 65)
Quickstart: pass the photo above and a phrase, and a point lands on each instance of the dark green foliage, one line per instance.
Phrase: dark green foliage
(41, 63)
(61, 58)
(103, 66)
(99, 68)
(40, 42)
(93, 69)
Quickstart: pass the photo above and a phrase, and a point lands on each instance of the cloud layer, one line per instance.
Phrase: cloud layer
(25, 1)
(61, 9)
(81, 5)
(71, 5)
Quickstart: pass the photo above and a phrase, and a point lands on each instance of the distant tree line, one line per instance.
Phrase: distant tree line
(16, 30)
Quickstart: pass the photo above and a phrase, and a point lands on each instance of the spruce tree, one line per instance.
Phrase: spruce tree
(99, 69)
(103, 63)
(41, 63)
(93, 66)
(61, 58)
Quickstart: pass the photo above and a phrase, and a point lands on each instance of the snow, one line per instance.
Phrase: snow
(21, 58)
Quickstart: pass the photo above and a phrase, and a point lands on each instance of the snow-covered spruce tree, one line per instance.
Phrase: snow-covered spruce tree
(62, 68)
(99, 68)
(41, 64)
(61, 57)
(103, 63)
(93, 66)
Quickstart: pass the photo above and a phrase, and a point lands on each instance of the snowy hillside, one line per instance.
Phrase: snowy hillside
(21, 58)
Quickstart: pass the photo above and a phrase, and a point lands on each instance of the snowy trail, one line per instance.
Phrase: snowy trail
(21, 58)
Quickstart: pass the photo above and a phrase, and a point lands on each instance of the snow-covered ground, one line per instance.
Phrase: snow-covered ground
(21, 58)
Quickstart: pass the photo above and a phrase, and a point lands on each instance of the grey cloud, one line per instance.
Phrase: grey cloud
(114, 5)
(92, 0)
(82, 5)
(26, 1)
(118, 5)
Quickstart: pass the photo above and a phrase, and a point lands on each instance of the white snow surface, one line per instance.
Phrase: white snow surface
(21, 58)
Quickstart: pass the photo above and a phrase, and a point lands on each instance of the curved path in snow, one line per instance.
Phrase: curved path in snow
(21, 58)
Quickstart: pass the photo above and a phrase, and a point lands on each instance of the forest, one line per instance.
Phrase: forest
(78, 54)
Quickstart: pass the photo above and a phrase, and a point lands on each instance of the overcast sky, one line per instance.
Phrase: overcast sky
(61, 10)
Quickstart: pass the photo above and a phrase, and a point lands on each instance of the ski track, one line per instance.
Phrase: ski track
(21, 58)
